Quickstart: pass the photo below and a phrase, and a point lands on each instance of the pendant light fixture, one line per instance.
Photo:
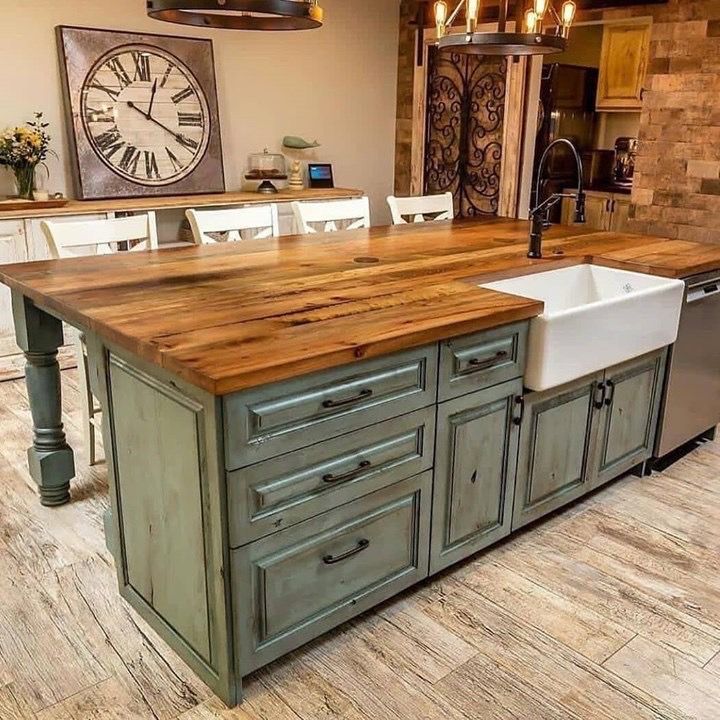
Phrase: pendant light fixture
(545, 29)
(239, 14)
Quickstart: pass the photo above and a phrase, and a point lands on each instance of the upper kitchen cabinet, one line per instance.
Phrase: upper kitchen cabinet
(623, 64)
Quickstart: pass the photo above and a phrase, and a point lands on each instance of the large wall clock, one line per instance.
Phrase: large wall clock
(143, 114)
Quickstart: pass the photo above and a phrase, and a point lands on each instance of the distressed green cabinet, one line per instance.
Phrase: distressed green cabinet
(554, 466)
(246, 525)
(628, 420)
(474, 474)
(581, 435)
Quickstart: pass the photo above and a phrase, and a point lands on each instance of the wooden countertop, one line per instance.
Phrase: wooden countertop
(232, 316)
(90, 207)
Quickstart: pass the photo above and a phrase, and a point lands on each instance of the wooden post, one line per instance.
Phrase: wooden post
(50, 459)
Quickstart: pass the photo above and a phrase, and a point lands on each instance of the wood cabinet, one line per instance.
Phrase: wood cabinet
(13, 249)
(583, 434)
(620, 213)
(475, 469)
(555, 448)
(623, 66)
(631, 403)
(603, 211)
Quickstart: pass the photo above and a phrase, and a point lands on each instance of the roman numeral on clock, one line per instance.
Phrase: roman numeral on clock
(187, 142)
(104, 88)
(130, 160)
(109, 143)
(183, 95)
(94, 115)
(151, 166)
(142, 66)
(190, 119)
(177, 165)
(118, 69)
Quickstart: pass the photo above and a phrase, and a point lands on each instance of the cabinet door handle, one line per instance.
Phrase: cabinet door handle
(364, 465)
(520, 403)
(479, 364)
(362, 395)
(611, 395)
(601, 387)
(333, 559)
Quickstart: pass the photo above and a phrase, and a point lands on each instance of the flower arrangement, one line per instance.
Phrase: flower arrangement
(22, 149)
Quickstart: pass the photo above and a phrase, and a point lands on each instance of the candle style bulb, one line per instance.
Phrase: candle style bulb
(472, 10)
(567, 14)
(530, 21)
(541, 7)
(440, 17)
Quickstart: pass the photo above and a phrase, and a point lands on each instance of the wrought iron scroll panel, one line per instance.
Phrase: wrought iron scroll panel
(464, 130)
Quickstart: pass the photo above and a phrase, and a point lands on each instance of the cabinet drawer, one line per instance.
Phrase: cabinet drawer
(280, 492)
(478, 361)
(279, 418)
(293, 586)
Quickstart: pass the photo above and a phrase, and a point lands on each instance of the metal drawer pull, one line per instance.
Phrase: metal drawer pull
(364, 465)
(601, 387)
(519, 402)
(611, 395)
(362, 545)
(362, 395)
(479, 364)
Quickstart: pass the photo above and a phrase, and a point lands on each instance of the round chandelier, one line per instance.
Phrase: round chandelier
(545, 29)
(239, 14)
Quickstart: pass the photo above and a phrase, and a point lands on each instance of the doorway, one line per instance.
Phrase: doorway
(464, 128)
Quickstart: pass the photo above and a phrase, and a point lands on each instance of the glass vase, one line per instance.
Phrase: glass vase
(25, 182)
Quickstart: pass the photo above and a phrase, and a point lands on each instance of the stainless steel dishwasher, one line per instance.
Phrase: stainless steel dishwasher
(692, 403)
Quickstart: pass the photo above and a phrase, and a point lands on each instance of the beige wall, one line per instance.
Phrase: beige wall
(336, 84)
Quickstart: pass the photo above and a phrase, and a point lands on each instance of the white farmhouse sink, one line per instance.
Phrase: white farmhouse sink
(595, 317)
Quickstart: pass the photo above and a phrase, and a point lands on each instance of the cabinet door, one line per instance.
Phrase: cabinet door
(628, 421)
(620, 213)
(12, 250)
(597, 211)
(556, 444)
(623, 65)
(476, 454)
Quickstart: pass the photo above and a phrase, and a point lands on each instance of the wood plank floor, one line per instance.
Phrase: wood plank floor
(610, 610)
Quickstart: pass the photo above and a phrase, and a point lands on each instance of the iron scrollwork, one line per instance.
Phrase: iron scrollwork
(463, 148)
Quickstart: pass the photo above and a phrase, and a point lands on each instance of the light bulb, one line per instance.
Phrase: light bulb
(440, 17)
(531, 21)
(472, 10)
(541, 7)
(567, 14)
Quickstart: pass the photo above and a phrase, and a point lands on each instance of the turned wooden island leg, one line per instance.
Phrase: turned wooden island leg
(50, 458)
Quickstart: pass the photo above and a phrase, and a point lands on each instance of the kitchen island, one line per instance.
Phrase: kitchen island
(286, 420)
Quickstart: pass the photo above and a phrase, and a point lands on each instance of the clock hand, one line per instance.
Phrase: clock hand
(179, 137)
(152, 98)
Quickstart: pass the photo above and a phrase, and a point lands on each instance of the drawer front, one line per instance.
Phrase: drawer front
(478, 361)
(283, 417)
(295, 585)
(283, 491)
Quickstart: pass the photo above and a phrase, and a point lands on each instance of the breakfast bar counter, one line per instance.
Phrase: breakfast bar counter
(285, 420)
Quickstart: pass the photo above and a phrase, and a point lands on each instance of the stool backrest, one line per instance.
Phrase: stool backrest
(332, 215)
(420, 209)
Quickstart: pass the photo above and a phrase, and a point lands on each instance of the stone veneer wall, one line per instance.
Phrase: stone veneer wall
(677, 186)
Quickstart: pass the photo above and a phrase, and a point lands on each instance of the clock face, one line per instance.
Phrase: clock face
(145, 115)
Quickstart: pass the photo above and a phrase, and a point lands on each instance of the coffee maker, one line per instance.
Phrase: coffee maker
(625, 154)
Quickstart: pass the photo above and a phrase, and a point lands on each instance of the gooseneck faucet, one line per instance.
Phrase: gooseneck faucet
(539, 217)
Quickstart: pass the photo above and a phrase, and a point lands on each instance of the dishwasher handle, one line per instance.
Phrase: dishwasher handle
(703, 290)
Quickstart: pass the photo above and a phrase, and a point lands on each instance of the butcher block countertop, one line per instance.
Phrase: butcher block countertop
(232, 316)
